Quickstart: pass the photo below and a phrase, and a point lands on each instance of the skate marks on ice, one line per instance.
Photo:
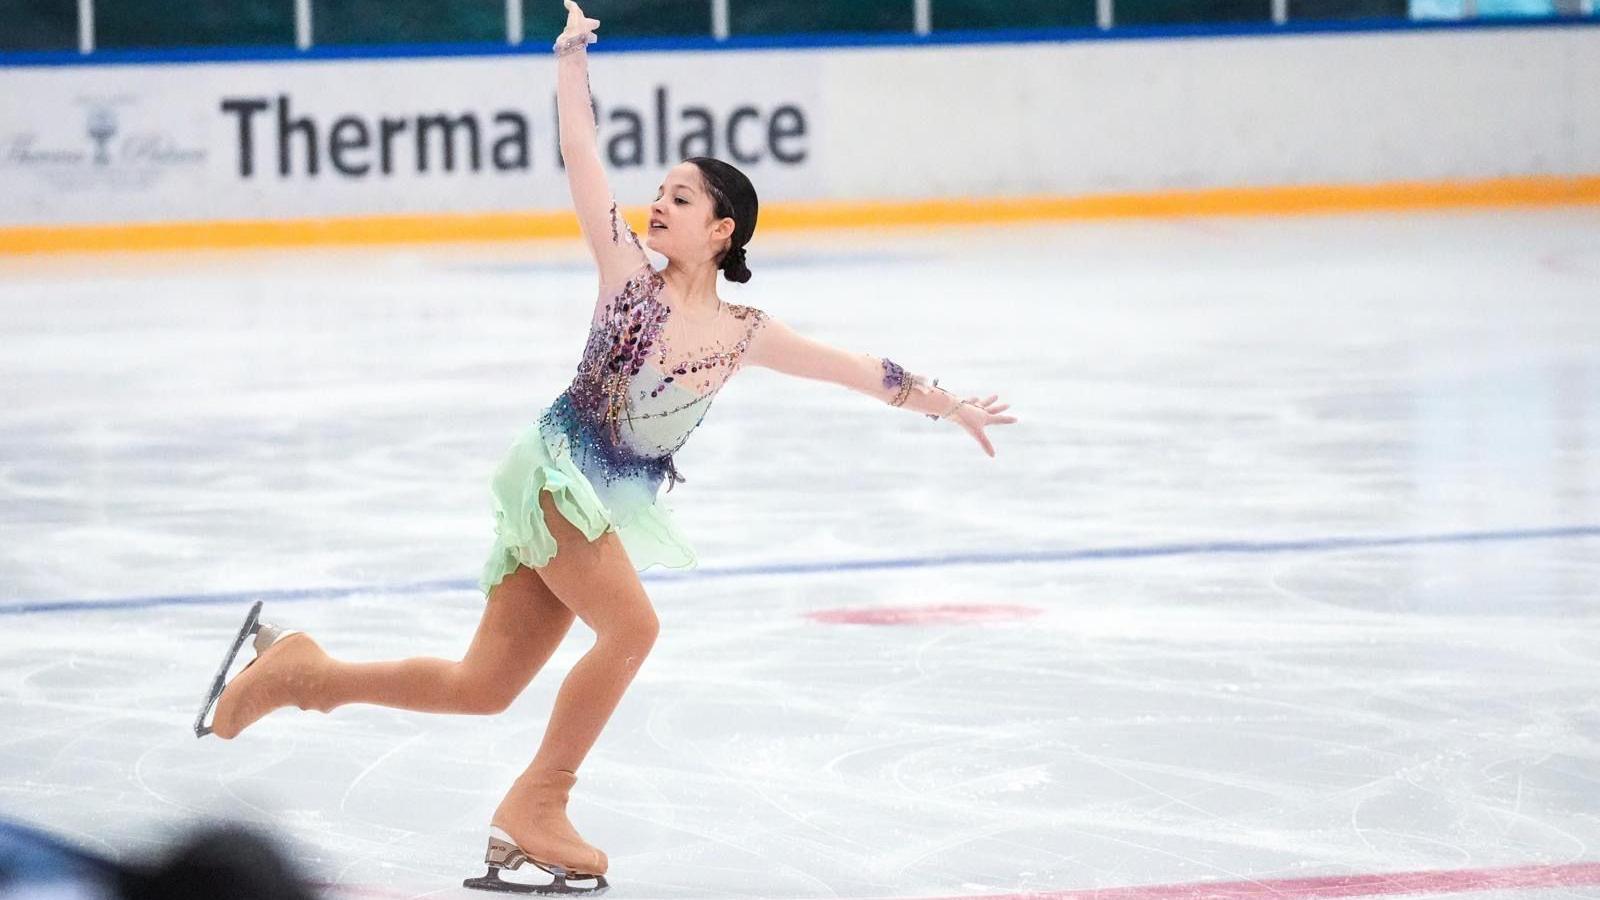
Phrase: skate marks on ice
(1195, 742)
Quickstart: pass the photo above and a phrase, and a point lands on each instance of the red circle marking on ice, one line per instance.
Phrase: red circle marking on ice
(941, 613)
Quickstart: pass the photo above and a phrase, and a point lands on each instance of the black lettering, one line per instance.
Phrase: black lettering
(426, 124)
(338, 143)
(777, 132)
(743, 112)
(245, 109)
(351, 138)
(510, 150)
(387, 129)
(288, 126)
(629, 141)
(705, 133)
(661, 125)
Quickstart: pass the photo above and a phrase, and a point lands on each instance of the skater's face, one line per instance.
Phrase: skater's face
(683, 224)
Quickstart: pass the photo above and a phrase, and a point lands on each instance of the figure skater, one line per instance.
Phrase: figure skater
(583, 480)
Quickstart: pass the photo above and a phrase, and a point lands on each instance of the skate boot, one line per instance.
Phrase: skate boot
(289, 670)
(548, 842)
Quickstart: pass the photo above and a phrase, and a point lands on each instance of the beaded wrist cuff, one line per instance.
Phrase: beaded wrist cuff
(899, 380)
(573, 43)
(893, 375)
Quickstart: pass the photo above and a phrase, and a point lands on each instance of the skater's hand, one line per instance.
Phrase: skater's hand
(975, 415)
(578, 24)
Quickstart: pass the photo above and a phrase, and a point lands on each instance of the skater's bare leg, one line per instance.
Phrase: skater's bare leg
(523, 622)
(597, 581)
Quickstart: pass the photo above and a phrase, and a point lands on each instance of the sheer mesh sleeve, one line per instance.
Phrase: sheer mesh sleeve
(780, 348)
(616, 249)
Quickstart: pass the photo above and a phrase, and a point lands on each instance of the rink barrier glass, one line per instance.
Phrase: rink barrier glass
(242, 23)
(53, 26)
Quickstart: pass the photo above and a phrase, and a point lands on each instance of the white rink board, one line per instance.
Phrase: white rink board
(235, 139)
(140, 143)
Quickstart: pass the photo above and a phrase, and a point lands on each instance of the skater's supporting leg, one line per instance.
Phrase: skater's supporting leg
(598, 582)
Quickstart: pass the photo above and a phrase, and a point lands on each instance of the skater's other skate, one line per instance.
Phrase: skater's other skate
(251, 626)
(536, 811)
(504, 854)
(289, 670)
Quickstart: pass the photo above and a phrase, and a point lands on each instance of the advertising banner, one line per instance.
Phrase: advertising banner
(266, 140)
(308, 139)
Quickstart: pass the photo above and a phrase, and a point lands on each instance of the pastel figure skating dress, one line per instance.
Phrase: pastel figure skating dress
(602, 449)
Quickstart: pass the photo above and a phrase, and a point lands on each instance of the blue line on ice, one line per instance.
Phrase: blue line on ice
(1208, 548)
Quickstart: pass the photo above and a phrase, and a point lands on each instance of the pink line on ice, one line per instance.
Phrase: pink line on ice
(1458, 881)
(927, 614)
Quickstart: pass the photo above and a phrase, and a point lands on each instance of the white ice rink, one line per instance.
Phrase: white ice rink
(1288, 577)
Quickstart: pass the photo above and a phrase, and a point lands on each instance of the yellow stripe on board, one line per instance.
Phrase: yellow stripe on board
(1531, 191)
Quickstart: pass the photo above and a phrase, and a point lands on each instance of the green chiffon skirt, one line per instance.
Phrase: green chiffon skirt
(536, 463)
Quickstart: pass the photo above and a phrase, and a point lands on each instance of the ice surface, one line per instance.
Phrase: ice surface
(1206, 682)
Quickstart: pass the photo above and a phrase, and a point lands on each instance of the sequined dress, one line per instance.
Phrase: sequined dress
(602, 449)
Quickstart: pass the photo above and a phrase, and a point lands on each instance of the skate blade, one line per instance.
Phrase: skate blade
(250, 626)
(492, 881)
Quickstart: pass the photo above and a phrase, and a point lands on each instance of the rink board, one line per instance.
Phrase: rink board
(831, 134)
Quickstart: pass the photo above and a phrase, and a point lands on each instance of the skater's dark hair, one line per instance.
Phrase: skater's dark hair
(223, 861)
(219, 862)
(734, 198)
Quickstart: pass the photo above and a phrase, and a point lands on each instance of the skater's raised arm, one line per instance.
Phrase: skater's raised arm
(616, 250)
(778, 347)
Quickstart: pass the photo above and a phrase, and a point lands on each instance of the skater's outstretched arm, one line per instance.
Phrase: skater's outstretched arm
(616, 249)
(778, 347)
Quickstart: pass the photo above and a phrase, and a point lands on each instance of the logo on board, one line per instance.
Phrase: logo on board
(105, 144)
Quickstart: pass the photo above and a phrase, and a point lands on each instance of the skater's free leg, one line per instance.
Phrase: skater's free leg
(522, 625)
(597, 581)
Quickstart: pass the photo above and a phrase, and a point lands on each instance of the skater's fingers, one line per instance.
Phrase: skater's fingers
(982, 439)
(999, 407)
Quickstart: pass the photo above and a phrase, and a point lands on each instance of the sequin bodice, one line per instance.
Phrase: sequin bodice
(647, 378)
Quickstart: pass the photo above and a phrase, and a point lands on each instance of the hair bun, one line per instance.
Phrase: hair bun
(734, 198)
(733, 266)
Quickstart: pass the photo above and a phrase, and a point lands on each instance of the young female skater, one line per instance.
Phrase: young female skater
(583, 480)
